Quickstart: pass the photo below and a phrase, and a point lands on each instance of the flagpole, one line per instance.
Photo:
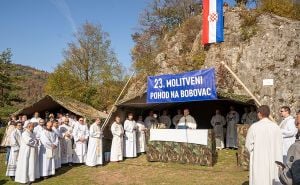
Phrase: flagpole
(113, 106)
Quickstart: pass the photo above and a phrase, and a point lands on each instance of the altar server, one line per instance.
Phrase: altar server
(288, 129)
(27, 170)
(66, 143)
(264, 143)
(15, 142)
(94, 153)
(130, 137)
(218, 121)
(49, 145)
(81, 135)
(141, 136)
(117, 131)
(232, 119)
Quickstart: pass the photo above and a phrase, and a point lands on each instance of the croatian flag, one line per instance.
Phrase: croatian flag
(212, 23)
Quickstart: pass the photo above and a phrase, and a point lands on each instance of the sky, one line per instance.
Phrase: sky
(37, 31)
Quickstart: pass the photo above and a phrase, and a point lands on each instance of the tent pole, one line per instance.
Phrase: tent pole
(243, 85)
(112, 108)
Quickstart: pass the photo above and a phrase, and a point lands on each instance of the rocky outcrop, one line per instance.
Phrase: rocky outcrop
(272, 52)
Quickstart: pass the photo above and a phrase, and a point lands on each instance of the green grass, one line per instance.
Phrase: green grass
(139, 171)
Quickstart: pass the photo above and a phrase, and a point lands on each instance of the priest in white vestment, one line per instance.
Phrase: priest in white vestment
(49, 145)
(264, 143)
(81, 135)
(59, 135)
(176, 118)
(245, 116)
(116, 153)
(15, 142)
(130, 137)
(150, 120)
(141, 136)
(288, 129)
(94, 152)
(27, 170)
(66, 143)
(187, 121)
(218, 121)
(232, 119)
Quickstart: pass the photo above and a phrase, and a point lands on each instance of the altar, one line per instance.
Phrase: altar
(182, 146)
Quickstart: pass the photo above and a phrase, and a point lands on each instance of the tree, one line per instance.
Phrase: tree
(89, 64)
(7, 80)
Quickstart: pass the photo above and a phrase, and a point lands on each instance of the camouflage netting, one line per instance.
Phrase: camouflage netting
(166, 151)
(242, 153)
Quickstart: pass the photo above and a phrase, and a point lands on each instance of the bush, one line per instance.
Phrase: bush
(248, 24)
(284, 8)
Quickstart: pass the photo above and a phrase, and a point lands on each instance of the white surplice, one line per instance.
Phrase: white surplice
(130, 138)
(58, 150)
(116, 153)
(94, 152)
(66, 144)
(15, 141)
(264, 143)
(232, 119)
(27, 169)
(218, 121)
(188, 122)
(141, 138)
(80, 131)
(47, 153)
(289, 131)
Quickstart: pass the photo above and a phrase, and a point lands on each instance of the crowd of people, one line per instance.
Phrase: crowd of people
(50, 143)
(274, 149)
(37, 148)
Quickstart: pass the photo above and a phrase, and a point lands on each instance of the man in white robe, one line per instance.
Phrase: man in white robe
(15, 142)
(176, 118)
(59, 135)
(165, 119)
(264, 143)
(35, 119)
(66, 143)
(49, 144)
(94, 152)
(116, 153)
(130, 137)
(150, 120)
(27, 170)
(288, 129)
(81, 135)
(187, 121)
(141, 137)
(218, 121)
(232, 119)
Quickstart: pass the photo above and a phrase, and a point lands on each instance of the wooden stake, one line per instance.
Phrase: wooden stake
(244, 86)
(112, 108)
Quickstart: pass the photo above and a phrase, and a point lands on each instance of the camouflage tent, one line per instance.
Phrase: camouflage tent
(54, 104)
(242, 154)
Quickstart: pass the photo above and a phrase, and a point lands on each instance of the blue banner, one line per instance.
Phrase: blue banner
(184, 87)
